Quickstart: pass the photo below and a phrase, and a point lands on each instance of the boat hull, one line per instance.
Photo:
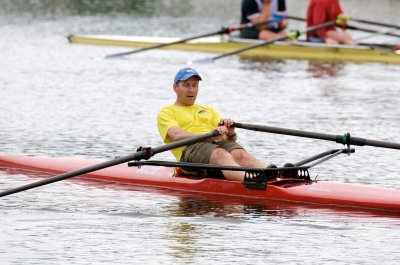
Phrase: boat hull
(278, 50)
(317, 192)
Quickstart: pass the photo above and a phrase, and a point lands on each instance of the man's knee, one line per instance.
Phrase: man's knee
(219, 155)
(241, 155)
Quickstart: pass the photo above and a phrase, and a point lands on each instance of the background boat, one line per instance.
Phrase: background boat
(278, 50)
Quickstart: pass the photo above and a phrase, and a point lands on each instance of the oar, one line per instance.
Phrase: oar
(383, 32)
(345, 139)
(376, 23)
(360, 28)
(372, 31)
(224, 30)
(135, 156)
(291, 35)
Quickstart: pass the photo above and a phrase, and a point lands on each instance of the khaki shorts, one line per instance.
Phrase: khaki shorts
(201, 153)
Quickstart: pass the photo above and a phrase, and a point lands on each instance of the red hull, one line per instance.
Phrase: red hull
(320, 192)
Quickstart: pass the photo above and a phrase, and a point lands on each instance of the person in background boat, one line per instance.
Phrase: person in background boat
(185, 118)
(261, 10)
(321, 11)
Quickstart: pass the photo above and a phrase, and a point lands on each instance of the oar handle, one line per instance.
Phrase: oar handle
(143, 154)
(345, 139)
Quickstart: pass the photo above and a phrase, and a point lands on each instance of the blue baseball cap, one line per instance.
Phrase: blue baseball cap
(185, 74)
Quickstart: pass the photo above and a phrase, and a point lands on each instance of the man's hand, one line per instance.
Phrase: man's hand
(342, 19)
(229, 131)
(222, 131)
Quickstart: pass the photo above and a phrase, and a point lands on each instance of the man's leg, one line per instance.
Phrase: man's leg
(211, 153)
(341, 37)
(222, 157)
(243, 158)
(223, 153)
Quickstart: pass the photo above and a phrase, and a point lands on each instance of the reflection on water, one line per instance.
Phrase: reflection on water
(264, 64)
(246, 208)
(189, 206)
(183, 239)
(226, 207)
(325, 69)
(229, 207)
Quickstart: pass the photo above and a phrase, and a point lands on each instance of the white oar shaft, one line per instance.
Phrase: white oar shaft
(383, 32)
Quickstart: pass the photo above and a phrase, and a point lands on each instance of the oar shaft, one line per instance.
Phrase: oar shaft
(379, 143)
(71, 174)
(374, 34)
(158, 46)
(372, 31)
(277, 130)
(135, 156)
(343, 139)
(376, 23)
(361, 28)
(249, 48)
(221, 31)
(250, 25)
(296, 18)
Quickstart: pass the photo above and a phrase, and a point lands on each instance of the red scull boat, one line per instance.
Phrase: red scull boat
(282, 189)
(291, 183)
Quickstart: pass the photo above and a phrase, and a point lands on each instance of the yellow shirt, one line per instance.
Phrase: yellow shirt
(196, 119)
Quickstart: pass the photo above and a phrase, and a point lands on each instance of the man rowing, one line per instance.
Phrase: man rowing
(185, 118)
(321, 11)
(255, 11)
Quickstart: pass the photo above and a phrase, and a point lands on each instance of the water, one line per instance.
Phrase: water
(60, 99)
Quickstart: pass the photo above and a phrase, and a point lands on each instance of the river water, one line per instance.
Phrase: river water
(59, 99)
